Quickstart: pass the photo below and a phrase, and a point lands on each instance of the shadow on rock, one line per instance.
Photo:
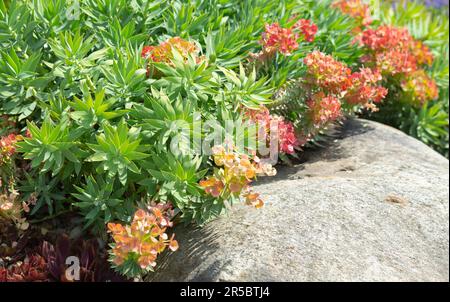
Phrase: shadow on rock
(196, 243)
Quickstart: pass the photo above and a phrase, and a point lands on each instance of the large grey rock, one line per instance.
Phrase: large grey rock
(372, 206)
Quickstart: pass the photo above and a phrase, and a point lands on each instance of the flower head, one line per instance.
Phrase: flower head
(164, 52)
(326, 72)
(394, 51)
(253, 199)
(422, 53)
(261, 118)
(278, 39)
(143, 240)
(392, 62)
(324, 108)
(420, 87)
(307, 28)
(386, 37)
(212, 186)
(234, 173)
(364, 88)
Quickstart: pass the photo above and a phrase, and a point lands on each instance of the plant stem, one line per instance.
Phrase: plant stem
(34, 221)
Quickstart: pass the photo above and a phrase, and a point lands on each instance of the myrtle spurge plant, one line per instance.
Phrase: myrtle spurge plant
(338, 84)
(399, 57)
(327, 92)
(393, 51)
(110, 116)
(404, 52)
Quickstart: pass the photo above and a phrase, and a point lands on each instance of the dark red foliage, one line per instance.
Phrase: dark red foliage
(93, 264)
(44, 261)
(32, 269)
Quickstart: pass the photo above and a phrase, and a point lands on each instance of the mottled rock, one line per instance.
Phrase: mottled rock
(371, 206)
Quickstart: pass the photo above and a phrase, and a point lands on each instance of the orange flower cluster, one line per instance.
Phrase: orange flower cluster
(234, 175)
(327, 73)
(278, 39)
(336, 81)
(394, 52)
(386, 37)
(163, 52)
(391, 62)
(422, 53)
(356, 9)
(7, 147)
(420, 87)
(213, 186)
(143, 240)
(390, 49)
(307, 28)
(395, 47)
(285, 40)
(364, 88)
(324, 108)
(253, 199)
(286, 135)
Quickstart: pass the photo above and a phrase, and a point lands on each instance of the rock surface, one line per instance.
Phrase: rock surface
(372, 206)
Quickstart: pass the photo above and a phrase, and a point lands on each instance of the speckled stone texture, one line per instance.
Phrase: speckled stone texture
(371, 206)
